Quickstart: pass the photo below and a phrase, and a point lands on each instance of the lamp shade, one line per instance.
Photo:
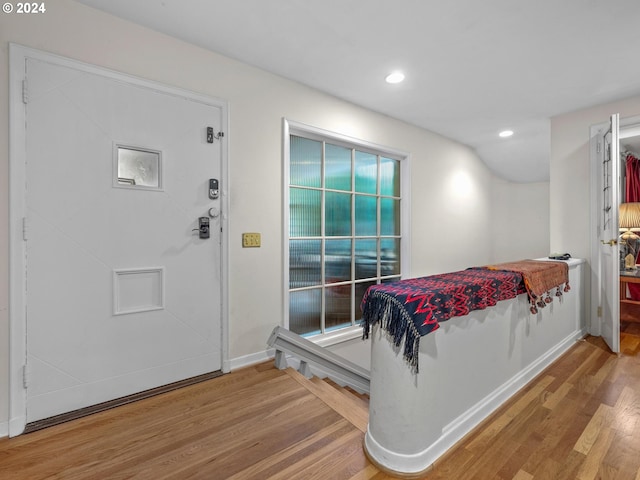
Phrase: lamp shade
(629, 215)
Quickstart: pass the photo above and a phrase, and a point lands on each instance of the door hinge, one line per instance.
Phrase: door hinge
(24, 228)
(598, 147)
(25, 92)
(25, 376)
(599, 313)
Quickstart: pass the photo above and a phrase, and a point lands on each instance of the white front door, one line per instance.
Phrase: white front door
(122, 294)
(609, 252)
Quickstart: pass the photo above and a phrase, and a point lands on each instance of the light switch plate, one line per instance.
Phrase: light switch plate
(250, 240)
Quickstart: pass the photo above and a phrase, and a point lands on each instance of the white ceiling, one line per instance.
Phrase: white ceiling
(473, 67)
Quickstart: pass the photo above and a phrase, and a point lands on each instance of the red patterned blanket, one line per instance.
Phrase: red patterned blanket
(409, 309)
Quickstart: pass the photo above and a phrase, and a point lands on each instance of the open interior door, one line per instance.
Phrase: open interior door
(608, 234)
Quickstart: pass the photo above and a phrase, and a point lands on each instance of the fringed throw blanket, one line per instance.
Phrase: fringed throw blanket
(540, 278)
(409, 309)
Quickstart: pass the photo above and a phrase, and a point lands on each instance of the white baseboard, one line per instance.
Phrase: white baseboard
(259, 357)
(4, 429)
(248, 360)
(16, 425)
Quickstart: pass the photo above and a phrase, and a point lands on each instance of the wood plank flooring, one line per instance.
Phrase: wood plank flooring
(579, 419)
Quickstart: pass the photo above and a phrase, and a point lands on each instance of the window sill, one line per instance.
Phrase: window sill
(338, 336)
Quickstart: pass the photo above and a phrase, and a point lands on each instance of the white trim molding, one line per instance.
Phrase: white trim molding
(251, 359)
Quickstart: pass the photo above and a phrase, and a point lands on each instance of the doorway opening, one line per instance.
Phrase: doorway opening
(611, 143)
(629, 225)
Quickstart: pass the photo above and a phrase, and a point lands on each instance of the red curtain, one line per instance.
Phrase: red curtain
(632, 194)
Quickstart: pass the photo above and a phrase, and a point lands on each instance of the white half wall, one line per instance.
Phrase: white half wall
(468, 368)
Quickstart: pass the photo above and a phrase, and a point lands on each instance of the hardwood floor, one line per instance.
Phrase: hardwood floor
(255, 423)
(579, 419)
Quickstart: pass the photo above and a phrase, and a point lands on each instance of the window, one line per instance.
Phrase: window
(137, 168)
(343, 208)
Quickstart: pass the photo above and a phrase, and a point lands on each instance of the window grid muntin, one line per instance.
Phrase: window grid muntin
(378, 278)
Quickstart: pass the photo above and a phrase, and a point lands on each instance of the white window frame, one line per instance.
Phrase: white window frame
(291, 127)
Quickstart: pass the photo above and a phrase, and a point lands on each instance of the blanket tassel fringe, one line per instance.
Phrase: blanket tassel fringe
(543, 302)
(380, 307)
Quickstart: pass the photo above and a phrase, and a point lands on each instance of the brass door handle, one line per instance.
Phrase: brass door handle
(611, 242)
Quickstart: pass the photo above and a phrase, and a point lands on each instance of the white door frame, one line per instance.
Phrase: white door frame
(18, 376)
(628, 127)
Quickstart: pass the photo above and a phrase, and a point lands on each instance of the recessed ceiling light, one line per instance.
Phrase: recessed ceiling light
(395, 77)
(506, 133)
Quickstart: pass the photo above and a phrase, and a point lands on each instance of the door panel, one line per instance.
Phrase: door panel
(83, 230)
(609, 251)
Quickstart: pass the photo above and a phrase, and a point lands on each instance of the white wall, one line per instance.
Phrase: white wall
(451, 188)
(570, 177)
(570, 174)
(520, 220)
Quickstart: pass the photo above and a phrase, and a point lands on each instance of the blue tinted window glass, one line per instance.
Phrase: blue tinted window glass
(366, 258)
(366, 172)
(337, 167)
(389, 177)
(305, 217)
(337, 214)
(305, 162)
(366, 215)
(389, 256)
(337, 261)
(304, 263)
(389, 216)
(305, 311)
(338, 307)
